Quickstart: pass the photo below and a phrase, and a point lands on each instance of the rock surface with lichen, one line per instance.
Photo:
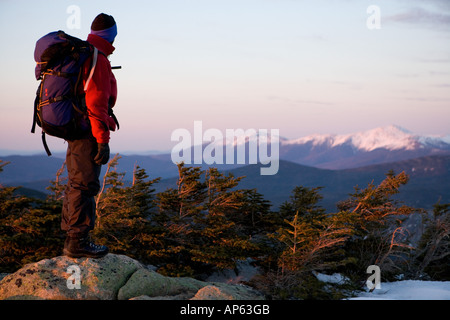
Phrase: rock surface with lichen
(109, 278)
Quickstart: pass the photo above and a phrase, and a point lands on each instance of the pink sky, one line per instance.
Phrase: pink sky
(298, 66)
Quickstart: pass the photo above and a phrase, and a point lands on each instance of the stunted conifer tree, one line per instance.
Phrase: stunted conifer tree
(177, 209)
(29, 228)
(254, 216)
(219, 242)
(124, 213)
(379, 236)
(311, 237)
(200, 217)
(432, 255)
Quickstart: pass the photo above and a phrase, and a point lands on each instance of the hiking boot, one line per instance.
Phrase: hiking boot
(77, 247)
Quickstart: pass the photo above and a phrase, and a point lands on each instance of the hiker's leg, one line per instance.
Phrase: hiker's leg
(78, 216)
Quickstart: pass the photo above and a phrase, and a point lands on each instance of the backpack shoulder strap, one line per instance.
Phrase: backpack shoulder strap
(94, 62)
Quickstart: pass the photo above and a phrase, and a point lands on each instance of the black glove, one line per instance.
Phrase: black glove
(102, 156)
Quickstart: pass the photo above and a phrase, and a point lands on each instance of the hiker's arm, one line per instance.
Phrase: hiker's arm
(98, 94)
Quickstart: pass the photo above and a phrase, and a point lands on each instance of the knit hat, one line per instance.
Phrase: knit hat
(104, 26)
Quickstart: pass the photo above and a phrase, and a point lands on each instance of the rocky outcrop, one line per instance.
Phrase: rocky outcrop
(109, 278)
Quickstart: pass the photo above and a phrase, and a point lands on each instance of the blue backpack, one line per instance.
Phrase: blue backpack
(59, 108)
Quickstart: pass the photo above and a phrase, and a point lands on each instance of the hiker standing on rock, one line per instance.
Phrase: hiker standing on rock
(86, 155)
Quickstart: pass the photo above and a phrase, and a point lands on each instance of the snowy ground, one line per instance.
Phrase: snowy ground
(409, 290)
(399, 290)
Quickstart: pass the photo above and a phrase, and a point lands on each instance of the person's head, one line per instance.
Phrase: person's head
(104, 26)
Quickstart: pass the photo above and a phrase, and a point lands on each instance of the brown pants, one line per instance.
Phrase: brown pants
(78, 214)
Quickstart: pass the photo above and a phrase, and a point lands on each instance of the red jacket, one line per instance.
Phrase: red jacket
(101, 91)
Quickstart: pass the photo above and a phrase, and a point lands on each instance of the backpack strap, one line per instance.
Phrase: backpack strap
(112, 115)
(94, 62)
(36, 103)
(44, 142)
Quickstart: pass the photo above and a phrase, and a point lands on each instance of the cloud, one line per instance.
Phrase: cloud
(421, 16)
(435, 60)
(290, 101)
(440, 4)
(442, 85)
(426, 99)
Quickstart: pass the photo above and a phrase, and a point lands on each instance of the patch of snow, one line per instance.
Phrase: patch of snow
(446, 139)
(408, 290)
(315, 139)
(435, 141)
(398, 290)
(334, 278)
(390, 137)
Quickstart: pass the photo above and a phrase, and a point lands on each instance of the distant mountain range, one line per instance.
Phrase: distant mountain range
(332, 151)
(380, 145)
(336, 162)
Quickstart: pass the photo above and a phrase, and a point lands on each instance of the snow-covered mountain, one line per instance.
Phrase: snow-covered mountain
(391, 138)
(379, 145)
